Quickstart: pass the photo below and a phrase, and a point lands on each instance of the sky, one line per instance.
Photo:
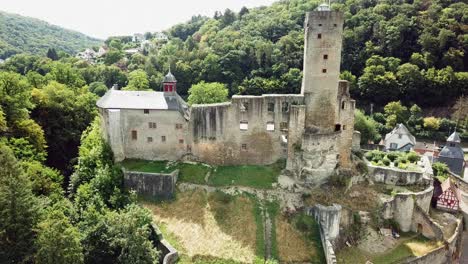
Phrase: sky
(104, 18)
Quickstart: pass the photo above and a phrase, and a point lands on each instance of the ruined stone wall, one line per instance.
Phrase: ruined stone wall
(401, 207)
(317, 158)
(448, 253)
(345, 117)
(218, 137)
(322, 57)
(174, 144)
(423, 224)
(295, 132)
(356, 141)
(152, 185)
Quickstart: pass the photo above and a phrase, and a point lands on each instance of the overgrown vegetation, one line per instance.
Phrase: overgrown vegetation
(440, 170)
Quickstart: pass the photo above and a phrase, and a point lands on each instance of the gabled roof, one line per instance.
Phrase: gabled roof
(454, 138)
(117, 99)
(449, 185)
(401, 129)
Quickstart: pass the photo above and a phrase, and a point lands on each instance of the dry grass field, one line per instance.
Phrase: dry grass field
(210, 225)
(292, 244)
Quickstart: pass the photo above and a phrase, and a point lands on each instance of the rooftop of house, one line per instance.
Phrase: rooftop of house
(400, 129)
(454, 137)
(117, 99)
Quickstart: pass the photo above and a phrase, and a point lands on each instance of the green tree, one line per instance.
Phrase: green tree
(207, 93)
(112, 56)
(98, 88)
(367, 126)
(52, 54)
(58, 241)
(395, 113)
(432, 123)
(18, 210)
(15, 94)
(137, 81)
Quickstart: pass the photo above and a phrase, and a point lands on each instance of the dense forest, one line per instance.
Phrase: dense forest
(19, 34)
(394, 49)
(61, 196)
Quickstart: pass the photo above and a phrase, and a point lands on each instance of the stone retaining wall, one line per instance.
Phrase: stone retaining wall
(152, 185)
(395, 176)
(448, 253)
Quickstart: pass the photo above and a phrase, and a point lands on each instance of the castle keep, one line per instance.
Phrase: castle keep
(313, 130)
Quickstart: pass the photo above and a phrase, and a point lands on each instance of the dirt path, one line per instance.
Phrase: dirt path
(267, 234)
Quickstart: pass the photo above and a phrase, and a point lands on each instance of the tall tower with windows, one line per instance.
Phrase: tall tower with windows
(322, 57)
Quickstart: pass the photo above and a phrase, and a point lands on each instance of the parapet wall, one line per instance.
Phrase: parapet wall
(152, 185)
(395, 176)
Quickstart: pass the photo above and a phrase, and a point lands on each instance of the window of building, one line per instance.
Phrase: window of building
(337, 127)
(344, 127)
(178, 126)
(285, 107)
(244, 107)
(324, 70)
(149, 139)
(320, 25)
(343, 105)
(134, 135)
(325, 56)
(270, 126)
(181, 141)
(244, 147)
(284, 125)
(244, 125)
(335, 25)
(163, 138)
(271, 107)
(400, 136)
(146, 111)
(152, 124)
(319, 35)
(393, 145)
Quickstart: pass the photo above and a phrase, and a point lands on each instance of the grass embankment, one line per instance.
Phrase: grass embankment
(299, 239)
(410, 245)
(223, 229)
(255, 176)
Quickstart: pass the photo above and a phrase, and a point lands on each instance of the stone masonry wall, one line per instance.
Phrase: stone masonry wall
(395, 176)
(401, 207)
(152, 185)
(219, 139)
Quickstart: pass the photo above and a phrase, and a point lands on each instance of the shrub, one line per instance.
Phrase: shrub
(413, 157)
(386, 161)
(393, 155)
(440, 169)
(432, 123)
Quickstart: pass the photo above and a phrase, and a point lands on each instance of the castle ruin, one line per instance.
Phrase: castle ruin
(312, 130)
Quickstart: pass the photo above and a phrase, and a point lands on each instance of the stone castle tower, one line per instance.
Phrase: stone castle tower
(322, 57)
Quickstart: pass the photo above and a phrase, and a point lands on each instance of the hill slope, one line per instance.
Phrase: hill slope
(20, 34)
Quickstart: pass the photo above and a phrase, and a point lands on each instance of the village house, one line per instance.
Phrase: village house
(399, 139)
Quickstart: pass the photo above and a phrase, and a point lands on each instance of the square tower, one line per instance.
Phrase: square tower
(322, 57)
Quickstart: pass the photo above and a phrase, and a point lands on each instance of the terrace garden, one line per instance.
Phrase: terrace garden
(394, 159)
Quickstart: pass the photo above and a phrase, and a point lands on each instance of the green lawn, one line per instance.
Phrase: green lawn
(256, 176)
(155, 166)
